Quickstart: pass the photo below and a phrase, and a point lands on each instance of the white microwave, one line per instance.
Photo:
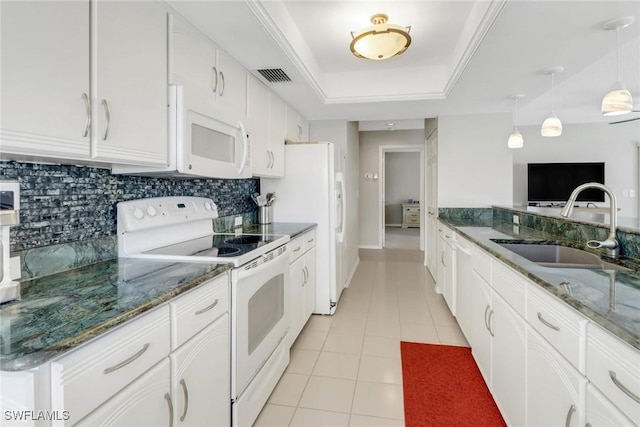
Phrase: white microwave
(199, 145)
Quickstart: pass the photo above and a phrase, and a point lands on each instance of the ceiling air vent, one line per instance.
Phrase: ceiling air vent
(274, 75)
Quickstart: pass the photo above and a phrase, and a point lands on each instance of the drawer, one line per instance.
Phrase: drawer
(195, 310)
(86, 377)
(412, 210)
(510, 286)
(481, 263)
(562, 326)
(413, 215)
(614, 368)
(296, 248)
(309, 240)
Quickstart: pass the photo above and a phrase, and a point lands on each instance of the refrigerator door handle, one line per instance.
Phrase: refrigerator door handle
(340, 211)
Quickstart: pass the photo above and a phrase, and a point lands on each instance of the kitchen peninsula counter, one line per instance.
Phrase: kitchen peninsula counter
(59, 312)
(609, 298)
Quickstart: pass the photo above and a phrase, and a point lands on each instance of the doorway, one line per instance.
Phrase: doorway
(401, 188)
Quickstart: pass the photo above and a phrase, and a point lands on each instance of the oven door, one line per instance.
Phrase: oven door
(259, 320)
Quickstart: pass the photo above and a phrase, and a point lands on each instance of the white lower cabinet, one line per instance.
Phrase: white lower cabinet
(200, 384)
(144, 402)
(479, 336)
(302, 286)
(555, 389)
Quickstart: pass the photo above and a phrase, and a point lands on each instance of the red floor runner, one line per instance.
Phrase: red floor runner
(443, 387)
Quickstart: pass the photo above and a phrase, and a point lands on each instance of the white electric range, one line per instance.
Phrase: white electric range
(181, 229)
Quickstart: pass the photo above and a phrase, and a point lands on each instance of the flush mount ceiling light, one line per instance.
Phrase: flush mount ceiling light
(618, 100)
(380, 40)
(552, 126)
(515, 139)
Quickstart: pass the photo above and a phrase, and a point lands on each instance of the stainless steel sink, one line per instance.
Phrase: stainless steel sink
(558, 256)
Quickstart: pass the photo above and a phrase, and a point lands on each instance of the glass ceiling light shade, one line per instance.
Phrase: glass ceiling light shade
(380, 40)
(515, 139)
(552, 126)
(619, 100)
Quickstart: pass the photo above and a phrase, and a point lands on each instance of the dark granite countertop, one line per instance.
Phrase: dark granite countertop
(59, 312)
(609, 298)
(292, 229)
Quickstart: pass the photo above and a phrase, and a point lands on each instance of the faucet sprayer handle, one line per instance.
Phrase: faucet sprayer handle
(608, 244)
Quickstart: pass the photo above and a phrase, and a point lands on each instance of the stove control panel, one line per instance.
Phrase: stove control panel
(155, 212)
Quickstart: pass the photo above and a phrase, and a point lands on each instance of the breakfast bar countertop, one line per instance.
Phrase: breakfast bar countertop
(610, 298)
(61, 311)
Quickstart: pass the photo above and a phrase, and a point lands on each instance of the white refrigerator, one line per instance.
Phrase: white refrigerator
(313, 191)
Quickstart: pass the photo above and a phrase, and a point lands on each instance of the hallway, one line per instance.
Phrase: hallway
(345, 369)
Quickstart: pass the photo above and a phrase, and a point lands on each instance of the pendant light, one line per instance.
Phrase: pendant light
(552, 126)
(515, 139)
(618, 100)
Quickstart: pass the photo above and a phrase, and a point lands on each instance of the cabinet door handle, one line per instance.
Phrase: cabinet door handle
(486, 323)
(207, 308)
(547, 324)
(221, 84)
(306, 274)
(183, 383)
(622, 387)
(489, 323)
(572, 409)
(87, 106)
(214, 83)
(127, 361)
(442, 259)
(107, 115)
(167, 397)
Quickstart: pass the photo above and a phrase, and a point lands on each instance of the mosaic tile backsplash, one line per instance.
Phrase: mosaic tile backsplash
(63, 204)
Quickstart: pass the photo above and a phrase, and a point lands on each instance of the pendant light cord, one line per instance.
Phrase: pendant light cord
(618, 54)
(553, 109)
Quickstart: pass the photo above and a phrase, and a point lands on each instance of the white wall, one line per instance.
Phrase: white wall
(475, 167)
(370, 142)
(616, 145)
(345, 136)
(401, 170)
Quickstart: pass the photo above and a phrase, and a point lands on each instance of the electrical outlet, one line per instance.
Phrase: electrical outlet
(237, 221)
(516, 219)
(516, 229)
(15, 268)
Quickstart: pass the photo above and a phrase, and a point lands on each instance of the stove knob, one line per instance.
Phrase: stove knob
(151, 211)
(137, 212)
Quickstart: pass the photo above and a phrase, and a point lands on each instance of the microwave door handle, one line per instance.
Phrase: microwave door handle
(245, 147)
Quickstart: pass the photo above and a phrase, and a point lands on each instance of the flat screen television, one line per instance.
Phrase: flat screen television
(554, 182)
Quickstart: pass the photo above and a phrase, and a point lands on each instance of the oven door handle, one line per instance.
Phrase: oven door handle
(279, 263)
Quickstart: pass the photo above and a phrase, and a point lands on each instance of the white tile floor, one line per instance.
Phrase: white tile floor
(345, 369)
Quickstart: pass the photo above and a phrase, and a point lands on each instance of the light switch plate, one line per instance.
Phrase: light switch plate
(516, 219)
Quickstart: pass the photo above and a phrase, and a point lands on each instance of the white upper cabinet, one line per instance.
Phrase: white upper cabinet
(129, 82)
(74, 73)
(297, 127)
(266, 124)
(45, 78)
(215, 83)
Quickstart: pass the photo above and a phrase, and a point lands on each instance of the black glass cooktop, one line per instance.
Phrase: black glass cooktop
(217, 245)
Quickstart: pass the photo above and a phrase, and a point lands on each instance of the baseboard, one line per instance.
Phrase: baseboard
(393, 225)
(369, 247)
(353, 272)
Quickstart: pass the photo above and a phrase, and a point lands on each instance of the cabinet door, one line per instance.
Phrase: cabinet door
(44, 77)
(201, 378)
(296, 298)
(232, 86)
(555, 389)
(145, 402)
(258, 98)
(508, 367)
(310, 285)
(276, 136)
(129, 82)
(440, 269)
(449, 291)
(480, 336)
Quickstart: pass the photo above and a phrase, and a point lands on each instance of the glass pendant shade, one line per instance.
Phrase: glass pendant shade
(515, 139)
(380, 40)
(552, 126)
(617, 101)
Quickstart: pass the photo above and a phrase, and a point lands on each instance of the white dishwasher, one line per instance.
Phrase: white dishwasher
(464, 282)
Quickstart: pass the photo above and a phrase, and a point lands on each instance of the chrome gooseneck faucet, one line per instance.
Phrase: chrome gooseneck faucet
(611, 244)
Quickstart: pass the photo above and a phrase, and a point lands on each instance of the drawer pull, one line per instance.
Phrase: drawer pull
(167, 397)
(296, 249)
(622, 387)
(204, 310)
(129, 360)
(567, 422)
(183, 383)
(310, 241)
(547, 324)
